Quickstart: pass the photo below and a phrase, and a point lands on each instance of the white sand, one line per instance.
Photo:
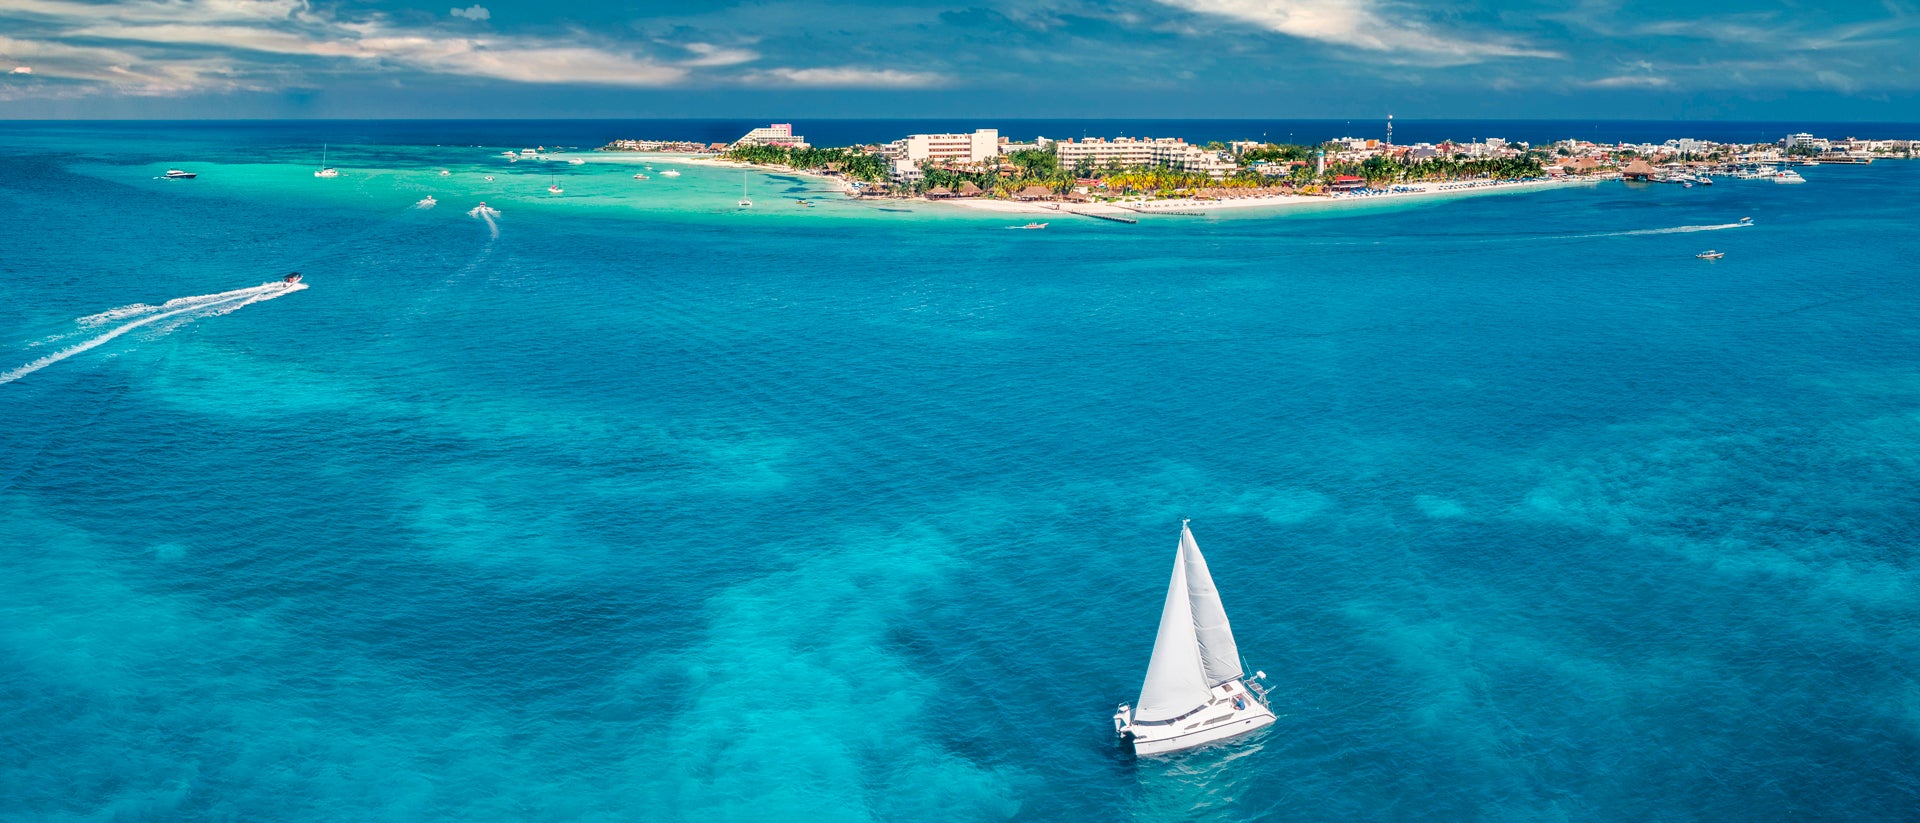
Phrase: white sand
(1183, 204)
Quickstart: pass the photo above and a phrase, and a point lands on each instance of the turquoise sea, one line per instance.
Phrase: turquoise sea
(639, 506)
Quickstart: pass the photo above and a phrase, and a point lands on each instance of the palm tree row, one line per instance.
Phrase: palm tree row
(851, 162)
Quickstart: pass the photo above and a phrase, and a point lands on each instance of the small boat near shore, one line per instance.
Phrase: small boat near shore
(1029, 227)
(670, 173)
(638, 176)
(176, 174)
(1710, 254)
(1788, 176)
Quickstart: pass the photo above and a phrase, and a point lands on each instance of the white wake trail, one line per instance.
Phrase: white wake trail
(487, 213)
(1674, 230)
(218, 304)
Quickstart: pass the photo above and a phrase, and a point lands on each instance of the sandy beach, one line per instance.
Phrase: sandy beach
(1191, 205)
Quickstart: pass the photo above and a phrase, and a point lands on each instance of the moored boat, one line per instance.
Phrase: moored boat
(176, 174)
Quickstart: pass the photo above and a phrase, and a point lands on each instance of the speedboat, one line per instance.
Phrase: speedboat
(1710, 254)
(1746, 221)
(445, 173)
(1030, 226)
(508, 154)
(489, 178)
(176, 174)
(426, 202)
(575, 161)
(638, 176)
(291, 278)
(670, 173)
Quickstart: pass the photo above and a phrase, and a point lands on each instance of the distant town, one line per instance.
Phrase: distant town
(984, 164)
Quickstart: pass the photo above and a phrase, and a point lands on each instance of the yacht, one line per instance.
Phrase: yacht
(555, 189)
(1710, 254)
(1788, 176)
(744, 202)
(325, 170)
(176, 174)
(1196, 691)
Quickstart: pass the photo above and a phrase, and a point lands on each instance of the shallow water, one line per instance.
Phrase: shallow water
(653, 508)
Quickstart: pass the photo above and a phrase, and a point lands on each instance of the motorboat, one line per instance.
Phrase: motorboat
(575, 161)
(426, 202)
(1196, 691)
(291, 278)
(555, 189)
(1030, 226)
(489, 178)
(670, 173)
(445, 173)
(1788, 176)
(1746, 221)
(1710, 254)
(176, 174)
(639, 176)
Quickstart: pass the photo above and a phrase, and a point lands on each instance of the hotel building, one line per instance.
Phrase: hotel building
(778, 134)
(982, 146)
(1124, 152)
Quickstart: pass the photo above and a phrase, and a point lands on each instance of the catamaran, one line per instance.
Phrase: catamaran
(1196, 691)
(744, 202)
(325, 170)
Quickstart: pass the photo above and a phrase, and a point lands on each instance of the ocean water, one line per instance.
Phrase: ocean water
(637, 506)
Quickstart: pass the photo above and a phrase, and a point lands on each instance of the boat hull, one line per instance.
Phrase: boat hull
(1234, 711)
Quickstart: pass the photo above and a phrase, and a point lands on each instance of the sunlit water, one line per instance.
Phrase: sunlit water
(627, 504)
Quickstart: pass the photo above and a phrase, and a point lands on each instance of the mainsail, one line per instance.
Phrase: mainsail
(1176, 680)
(1218, 654)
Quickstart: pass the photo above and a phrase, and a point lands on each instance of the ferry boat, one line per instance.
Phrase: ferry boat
(1710, 254)
(176, 174)
(1196, 691)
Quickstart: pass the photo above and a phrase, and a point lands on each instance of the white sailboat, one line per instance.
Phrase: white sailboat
(325, 170)
(744, 202)
(1196, 692)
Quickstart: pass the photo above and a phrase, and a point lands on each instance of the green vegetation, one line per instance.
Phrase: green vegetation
(851, 162)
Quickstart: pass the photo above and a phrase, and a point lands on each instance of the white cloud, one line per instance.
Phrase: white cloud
(1363, 24)
(162, 46)
(473, 12)
(1629, 81)
(708, 54)
(847, 77)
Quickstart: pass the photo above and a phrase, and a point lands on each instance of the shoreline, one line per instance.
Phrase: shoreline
(1273, 201)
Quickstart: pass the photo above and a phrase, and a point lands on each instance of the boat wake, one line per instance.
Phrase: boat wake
(487, 213)
(180, 309)
(1675, 230)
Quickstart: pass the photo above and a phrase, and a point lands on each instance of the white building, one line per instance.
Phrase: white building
(980, 147)
(778, 134)
(1124, 152)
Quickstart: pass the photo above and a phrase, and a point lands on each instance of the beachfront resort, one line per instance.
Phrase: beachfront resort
(1142, 173)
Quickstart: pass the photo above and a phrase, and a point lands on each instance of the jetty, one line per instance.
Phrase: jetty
(1114, 217)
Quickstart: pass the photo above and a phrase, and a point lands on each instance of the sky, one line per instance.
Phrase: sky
(785, 59)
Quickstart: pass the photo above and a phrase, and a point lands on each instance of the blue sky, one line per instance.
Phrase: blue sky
(778, 59)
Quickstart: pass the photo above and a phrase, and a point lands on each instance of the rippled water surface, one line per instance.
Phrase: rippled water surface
(649, 508)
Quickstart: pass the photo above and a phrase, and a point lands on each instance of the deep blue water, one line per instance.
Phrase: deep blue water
(650, 509)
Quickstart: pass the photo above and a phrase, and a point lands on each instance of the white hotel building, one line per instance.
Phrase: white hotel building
(1123, 152)
(982, 146)
(778, 134)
